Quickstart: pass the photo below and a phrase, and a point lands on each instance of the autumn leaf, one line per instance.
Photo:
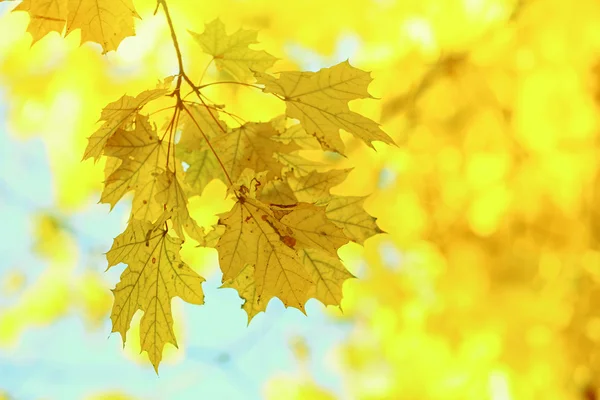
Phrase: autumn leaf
(106, 22)
(309, 227)
(272, 239)
(245, 285)
(45, 16)
(118, 114)
(249, 146)
(252, 237)
(328, 275)
(154, 275)
(231, 52)
(319, 100)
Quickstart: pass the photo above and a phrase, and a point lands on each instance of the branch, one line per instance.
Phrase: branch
(177, 92)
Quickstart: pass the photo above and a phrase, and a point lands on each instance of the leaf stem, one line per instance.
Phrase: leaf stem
(204, 72)
(229, 83)
(232, 115)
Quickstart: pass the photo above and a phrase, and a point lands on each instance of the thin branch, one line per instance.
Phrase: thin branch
(175, 43)
(177, 92)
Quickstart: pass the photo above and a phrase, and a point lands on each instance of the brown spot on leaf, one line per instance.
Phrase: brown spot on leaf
(288, 241)
(153, 260)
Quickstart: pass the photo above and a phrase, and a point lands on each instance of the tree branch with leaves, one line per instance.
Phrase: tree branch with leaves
(281, 237)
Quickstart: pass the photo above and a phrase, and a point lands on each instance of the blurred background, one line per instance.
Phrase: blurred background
(486, 285)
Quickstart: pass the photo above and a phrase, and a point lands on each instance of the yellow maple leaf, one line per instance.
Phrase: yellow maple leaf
(231, 52)
(245, 285)
(309, 226)
(154, 275)
(107, 22)
(272, 239)
(319, 100)
(251, 237)
(328, 275)
(45, 16)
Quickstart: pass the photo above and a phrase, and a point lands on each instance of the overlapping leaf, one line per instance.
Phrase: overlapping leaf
(249, 146)
(118, 114)
(201, 123)
(278, 191)
(319, 100)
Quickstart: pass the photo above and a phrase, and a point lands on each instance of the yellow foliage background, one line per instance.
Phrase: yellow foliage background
(486, 285)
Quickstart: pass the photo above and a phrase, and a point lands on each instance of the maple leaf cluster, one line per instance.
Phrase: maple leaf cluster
(282, 235)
